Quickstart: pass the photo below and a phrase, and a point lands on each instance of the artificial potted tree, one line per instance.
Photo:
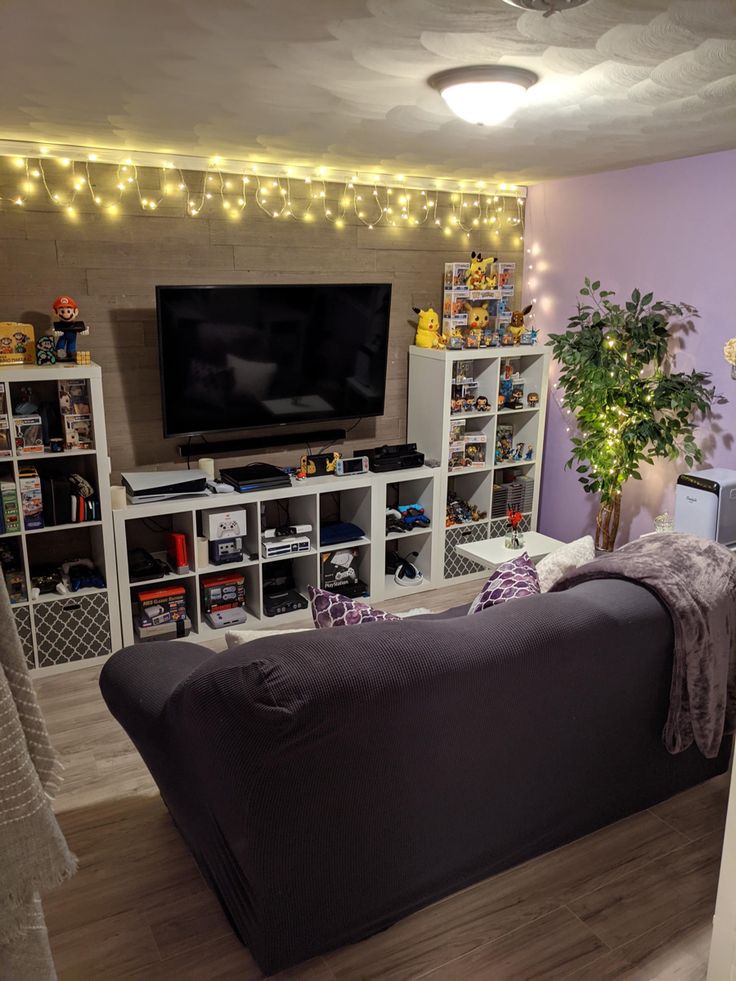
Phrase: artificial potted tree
(630, 408)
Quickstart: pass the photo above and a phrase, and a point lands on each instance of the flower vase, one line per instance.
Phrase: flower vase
(514, 538)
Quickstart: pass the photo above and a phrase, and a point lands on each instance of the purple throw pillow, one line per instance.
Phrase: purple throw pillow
(334, 610)
(510, 580)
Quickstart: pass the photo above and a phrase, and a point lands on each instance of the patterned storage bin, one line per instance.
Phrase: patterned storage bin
(22, 616)
(455, 564)
(72, 629)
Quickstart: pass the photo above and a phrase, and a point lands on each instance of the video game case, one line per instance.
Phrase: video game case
(11, 508)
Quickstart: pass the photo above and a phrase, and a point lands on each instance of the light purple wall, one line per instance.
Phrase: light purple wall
(669, 228)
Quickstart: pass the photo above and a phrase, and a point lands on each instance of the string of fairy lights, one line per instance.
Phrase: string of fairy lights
(114, 189)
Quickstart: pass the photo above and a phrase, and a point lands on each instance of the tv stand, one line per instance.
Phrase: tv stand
(230, 446)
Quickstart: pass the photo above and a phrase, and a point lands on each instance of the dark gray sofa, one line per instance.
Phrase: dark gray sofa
(329, 783)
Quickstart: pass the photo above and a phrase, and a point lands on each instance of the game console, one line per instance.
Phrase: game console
(224, 550)
(286, 531)
(226, 618)
(384, 459)
(272, 548)
(160, 485)
(277, 602)
(279, 593)
(354, 465)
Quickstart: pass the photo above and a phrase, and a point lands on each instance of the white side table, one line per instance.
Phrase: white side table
(493, 551)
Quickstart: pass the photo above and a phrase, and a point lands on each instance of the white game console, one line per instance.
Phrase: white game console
(272, 548)
(161, 485)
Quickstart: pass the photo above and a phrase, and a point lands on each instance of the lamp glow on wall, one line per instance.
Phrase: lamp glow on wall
(485, 95)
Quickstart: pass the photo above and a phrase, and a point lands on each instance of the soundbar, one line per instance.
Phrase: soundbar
(230, 446)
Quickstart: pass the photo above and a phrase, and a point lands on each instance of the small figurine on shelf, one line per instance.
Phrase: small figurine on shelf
(477, 276)
(428, 329)
(472, 339)
(482, 404)
(516, 327)
(67, 327)
(529, 455)
(469, 404)
(517, 399)
(532, 400)
(455, 341)
(45, 350)
(518, 453)
(501, 400)
(507, 382)
(456, 405)
(477, 316)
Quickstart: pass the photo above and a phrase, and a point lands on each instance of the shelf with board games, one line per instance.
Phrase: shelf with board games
(57, 547)
(480, 411)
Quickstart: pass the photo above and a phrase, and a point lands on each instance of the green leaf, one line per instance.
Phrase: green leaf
(596, 285)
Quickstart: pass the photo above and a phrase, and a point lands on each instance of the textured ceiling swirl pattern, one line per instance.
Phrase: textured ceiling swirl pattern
(343, 82)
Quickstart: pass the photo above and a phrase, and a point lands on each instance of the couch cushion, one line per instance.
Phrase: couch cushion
(334, 610)
(553, 566)
(510, 580)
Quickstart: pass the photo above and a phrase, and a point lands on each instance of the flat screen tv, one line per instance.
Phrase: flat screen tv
(240, 357)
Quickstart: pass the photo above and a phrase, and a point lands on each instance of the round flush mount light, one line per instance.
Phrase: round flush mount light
(484, 94)
(546, 7)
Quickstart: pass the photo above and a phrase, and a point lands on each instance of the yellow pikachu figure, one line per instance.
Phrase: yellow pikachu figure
(477, 316)
(478, 276)
(428, 329)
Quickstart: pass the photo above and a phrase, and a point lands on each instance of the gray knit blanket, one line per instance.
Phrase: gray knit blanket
(34, 856)
(696, 580)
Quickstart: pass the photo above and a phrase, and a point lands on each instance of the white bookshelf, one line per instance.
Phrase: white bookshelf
(361, 499)
(59, 632)
(428, 425)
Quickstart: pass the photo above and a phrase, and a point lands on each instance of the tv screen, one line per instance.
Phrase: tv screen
(238, 357)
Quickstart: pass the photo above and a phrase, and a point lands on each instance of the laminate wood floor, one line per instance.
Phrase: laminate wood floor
(632, 901)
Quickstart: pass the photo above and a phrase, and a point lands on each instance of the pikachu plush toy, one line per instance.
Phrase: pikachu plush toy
(428, 329)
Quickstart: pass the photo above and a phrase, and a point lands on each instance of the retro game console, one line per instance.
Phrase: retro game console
(223, 550)
(271, 548)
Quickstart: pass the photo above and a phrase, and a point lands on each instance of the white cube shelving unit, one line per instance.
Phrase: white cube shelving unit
(64, 631)
(361, 499)
(428, 425)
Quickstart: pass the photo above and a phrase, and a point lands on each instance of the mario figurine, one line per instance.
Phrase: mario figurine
(67, 327)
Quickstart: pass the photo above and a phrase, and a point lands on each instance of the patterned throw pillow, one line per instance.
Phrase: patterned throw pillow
(334, 610)
(510, 580)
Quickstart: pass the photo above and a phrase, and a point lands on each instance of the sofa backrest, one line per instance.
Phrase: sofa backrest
(424, 750)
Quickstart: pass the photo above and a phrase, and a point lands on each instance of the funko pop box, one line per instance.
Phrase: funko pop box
(223, 524)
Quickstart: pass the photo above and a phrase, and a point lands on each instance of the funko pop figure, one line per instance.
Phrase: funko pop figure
(67, 327)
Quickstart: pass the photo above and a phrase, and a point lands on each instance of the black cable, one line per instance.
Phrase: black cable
(347, 433)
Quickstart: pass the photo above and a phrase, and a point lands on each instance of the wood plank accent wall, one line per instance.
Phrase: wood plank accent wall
(112, 265)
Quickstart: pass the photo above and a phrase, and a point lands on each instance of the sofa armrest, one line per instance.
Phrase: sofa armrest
(137, 681)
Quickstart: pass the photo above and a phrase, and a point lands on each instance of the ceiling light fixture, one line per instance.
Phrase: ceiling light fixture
(484, 94)
(549, 7)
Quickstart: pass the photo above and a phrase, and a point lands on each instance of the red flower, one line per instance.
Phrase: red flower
(514, 518)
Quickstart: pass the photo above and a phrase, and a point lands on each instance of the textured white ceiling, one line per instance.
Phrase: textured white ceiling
(343, 82)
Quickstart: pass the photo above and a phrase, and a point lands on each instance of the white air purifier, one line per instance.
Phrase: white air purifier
(705, 505)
